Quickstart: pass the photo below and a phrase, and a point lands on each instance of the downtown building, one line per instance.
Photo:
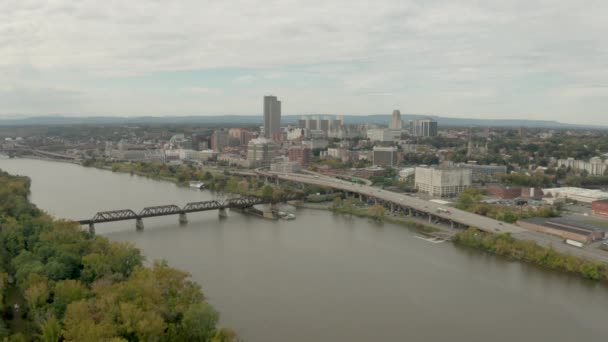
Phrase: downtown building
(396, 123)
(384, 156)
(261, 151)
(272, 116)
(442, 182)
(301, 154)
(423, 128)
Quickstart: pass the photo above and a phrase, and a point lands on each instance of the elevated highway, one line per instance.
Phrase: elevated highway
(400, 200)
(460, 217)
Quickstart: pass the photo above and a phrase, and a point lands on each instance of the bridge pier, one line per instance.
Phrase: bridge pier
(183, 219)
(139, 223)
(222, 213)
(451, 224)
(92, 228)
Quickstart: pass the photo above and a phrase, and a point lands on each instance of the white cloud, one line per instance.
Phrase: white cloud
(519, 52)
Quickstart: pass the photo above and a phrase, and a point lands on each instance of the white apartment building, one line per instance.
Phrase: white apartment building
(595, 166)
(384, 135)
(442, 182)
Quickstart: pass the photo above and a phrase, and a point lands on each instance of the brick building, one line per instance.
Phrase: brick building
(600, 208)
(504, 192)
(301, 154)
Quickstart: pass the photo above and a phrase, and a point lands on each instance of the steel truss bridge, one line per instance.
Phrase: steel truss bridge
(172, 209)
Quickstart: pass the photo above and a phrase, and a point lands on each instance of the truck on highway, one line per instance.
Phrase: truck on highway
(443, 210)
(574, 243)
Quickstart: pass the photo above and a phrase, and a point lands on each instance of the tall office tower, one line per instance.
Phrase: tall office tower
(324, 125)
(424, 128)
(395, 120)
(272, 116)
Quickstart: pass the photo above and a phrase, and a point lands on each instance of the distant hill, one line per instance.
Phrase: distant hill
(287, 119)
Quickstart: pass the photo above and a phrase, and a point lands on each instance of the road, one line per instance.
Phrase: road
(456, 215)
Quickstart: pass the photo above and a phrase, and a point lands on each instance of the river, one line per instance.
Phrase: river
(326, 277)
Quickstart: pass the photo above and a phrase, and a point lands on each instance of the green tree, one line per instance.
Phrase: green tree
(377, 211)
(267, 192)
(199, 323)
(51, 330)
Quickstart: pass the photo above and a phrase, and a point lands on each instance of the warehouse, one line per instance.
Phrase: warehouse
(553, 195)
(567, 229)
(600, 208)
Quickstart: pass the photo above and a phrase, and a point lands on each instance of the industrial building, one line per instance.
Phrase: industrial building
(442, 182)
(504, 192)
(600, 208)
(565, 228)
(553, 195)
(384, 156)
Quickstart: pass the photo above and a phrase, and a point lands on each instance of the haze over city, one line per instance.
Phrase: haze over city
(542, 60)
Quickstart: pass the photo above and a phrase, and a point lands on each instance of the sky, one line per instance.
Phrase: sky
(513, 59)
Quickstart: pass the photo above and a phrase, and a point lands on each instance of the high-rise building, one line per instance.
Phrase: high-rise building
(272, 116)
(424, 128)
(395, 120)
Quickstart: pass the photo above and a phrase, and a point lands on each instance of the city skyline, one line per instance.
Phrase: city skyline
(454, 59)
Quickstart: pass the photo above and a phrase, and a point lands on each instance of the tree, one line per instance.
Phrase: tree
(51, 330)
(199, 322)
(336, 203)
(66, 292)
(377, 211)
(267, 192)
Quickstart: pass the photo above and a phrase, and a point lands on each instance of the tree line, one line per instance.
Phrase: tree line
(59, 282)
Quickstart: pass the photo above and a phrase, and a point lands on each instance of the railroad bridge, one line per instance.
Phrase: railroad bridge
(172, 209)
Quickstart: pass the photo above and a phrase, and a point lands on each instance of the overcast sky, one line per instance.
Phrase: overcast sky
(481, 59)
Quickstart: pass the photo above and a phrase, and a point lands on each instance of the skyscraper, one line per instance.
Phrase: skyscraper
(272, 116)
(395, 120)
(424, 128)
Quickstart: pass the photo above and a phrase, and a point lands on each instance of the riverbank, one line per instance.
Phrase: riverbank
(530, 252)
(443, 233)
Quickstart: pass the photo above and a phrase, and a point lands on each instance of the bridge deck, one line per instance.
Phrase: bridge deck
(172, 209)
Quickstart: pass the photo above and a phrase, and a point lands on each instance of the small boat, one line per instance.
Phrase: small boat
(197, 185)
(290, 217)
